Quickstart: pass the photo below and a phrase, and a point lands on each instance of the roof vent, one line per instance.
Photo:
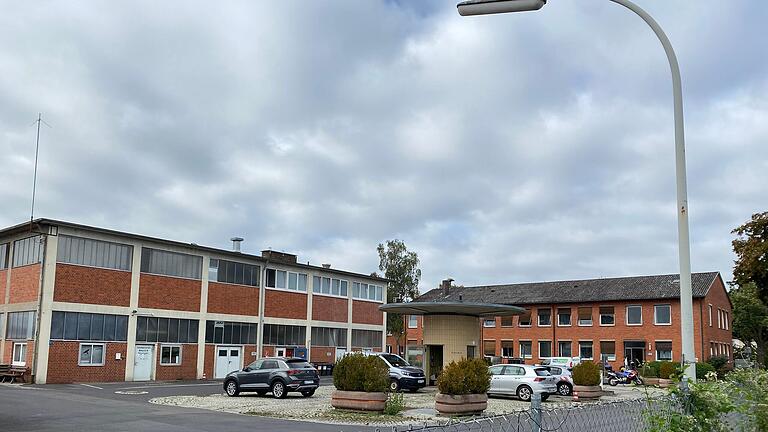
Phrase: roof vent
(326, 266)
(236, 243)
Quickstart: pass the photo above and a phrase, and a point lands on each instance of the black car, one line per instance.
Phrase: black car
(276, 375)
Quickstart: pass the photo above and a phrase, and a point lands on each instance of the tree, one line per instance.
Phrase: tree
(750, 319)
(751, 247)
(401, 267)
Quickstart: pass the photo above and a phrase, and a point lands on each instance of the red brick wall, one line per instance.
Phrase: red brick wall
(3, 279)
(322, 354)
(7, 355)
(283, 304)
(268, 351)
(718, 298)
(63, 367)
(163, 292)
(186, 370)
(233, 299)
(25, 284)
(329, 309)
(78, 284)
(364, 312)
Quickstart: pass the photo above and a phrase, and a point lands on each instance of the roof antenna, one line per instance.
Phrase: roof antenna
(37, 152)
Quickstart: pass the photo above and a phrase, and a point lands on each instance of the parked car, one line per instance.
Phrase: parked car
(401, 374)
(564, 379)
(276, 375)
(522, 381)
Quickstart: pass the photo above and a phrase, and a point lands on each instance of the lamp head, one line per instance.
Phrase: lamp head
(485, 7)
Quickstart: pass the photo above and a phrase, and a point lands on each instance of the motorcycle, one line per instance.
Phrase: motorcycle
(624, 377)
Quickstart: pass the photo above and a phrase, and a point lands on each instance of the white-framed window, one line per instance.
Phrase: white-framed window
(634, 315)
(19, 354)
(545, 317)
(710, 315)
(364, 291)
(545, 348)
(507, 348)
(585, 350)
(330, 286)
(608, 348)
(170, 355)
(489, 322)
(282, 279)
(664, 350)
(719, 318)
(607, 316)
(662, 314)
(585, 316)
(413, 321)
(524, 320)
(526, 349)
(564, 317)
(91, 354)
(564, 349)
(725, 320)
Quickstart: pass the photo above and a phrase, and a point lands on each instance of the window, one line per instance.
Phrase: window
(525, 319)
(167, 263)
(413, 321)
(284, 335)
(710, 315)
(21, 325)
(489, 348)
(94, 253)
(727, 325)
(662, 314)
(507, 349)
(664, 350)
(171, 330)
(3, 256)
(366, 338)
(329, 337)
(489, 322)
(228, 332)
(526, 349)
(634, 315)
(89, 327)
(19, 354)
(545, 317)
(545, 349)
(289, 280)
(608, 349)
(506, 321)
(27, 251)
(233, 272)
(585, 316)
(607, 316)
(326, 285)
(564, 349)
(91, 355)
(170, 355)
(564, 316)
(585, 350)
(366, 291)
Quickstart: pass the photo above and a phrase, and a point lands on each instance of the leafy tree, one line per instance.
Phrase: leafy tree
(401, 267)
(751, 247)
(750, 319)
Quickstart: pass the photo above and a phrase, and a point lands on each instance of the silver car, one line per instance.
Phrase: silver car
(522, 381)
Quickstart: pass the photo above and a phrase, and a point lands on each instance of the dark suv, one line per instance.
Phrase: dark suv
(276, 375)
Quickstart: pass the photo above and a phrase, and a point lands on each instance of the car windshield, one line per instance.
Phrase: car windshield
(395, 361)
(298, 364)
(541, 372)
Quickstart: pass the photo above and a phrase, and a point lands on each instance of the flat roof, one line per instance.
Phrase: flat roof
(452, 308)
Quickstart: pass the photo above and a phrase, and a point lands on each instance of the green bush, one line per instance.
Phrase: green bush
(751, 396)
(394, 404)
(649, 371)
(720, 363)
(586, 374)
(468, 376)
(702, 369)
(667, 370)
(358, 372)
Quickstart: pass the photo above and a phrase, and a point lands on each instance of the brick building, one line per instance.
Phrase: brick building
(637, 318)
(87, 304)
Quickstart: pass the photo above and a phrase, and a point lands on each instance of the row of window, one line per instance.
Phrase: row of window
(228, 332)
(332, 286)
(366, 291)
(662, 315)
(26, 251)
(286, 280)
(233, 272)
(94, 253)
(88, 327)
(173, 330)
(722, 318)
(719, 349)
(21, 325)
(329, 337)
(366, 338)
(565, 349)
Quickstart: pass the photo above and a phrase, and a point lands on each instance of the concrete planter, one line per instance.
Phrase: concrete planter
(665, 383)
(651, 381)
(361, 401)
(587, 392)
(461, 404)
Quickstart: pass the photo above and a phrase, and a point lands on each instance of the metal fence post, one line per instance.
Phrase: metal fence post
(536, 411)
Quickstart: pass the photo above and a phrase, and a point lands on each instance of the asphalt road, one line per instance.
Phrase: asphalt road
(96, 407)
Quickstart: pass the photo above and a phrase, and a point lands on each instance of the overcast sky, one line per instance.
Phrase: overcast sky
(501, 149)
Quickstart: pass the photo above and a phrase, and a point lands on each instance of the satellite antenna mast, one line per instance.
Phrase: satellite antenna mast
(37, 152)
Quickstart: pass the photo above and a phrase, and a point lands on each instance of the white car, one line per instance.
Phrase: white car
(522, 381)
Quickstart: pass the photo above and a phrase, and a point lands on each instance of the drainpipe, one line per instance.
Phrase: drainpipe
(555, 347)
(38, 318)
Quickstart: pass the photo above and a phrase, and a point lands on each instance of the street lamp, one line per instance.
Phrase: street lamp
(483, 7)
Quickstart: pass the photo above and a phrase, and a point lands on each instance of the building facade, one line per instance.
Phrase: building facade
(84, 304)
(634, 318)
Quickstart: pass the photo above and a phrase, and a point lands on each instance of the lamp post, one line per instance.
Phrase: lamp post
(485, 7)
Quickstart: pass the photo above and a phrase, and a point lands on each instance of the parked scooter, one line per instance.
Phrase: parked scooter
(624, 377)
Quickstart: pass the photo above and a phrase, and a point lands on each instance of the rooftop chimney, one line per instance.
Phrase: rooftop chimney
(326, 266)
(236, 243)
(446, 286)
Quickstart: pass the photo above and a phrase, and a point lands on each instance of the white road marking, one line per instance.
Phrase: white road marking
(92, 386)
(166, 386)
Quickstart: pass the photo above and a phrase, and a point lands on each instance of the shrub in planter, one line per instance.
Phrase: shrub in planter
(649, 371)
(586, 380)
(462, 387)
(667, 370)
(361, 382)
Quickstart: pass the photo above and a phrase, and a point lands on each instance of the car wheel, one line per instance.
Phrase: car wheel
(278, 390)
(563, 389)
(544, 397)
(308, 393)
(613, 382)
(524, 393)
(231, 388)
(394, 385)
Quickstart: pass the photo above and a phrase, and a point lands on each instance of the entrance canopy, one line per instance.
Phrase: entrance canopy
(452, 308)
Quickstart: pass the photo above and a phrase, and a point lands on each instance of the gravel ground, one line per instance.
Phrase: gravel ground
(419, 406)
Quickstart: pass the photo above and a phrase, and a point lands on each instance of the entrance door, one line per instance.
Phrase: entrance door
(142, 363)
(435, 362)
(634, 352)
(227, 360)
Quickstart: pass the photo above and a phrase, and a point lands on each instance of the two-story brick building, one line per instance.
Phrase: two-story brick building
(632, 318)
(84, 304)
